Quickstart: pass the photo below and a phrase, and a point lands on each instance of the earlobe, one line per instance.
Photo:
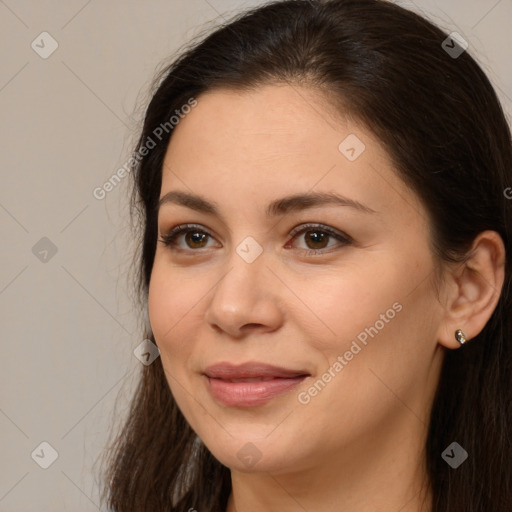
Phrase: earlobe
(477, 285)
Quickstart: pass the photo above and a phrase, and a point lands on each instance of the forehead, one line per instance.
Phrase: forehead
(277, 138)
(262, 122)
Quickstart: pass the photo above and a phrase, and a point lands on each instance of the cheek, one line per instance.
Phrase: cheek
(346, 302)
(170, 304)
(377, 364)
(377, 317)
(170, 311)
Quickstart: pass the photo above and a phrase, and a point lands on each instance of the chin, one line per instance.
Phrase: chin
(254, 455)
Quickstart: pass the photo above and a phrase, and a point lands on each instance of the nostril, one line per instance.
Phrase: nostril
(252, 325)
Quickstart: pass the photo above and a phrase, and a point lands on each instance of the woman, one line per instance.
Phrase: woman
(326, 266)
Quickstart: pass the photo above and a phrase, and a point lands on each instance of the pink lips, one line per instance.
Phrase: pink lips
(250, 384)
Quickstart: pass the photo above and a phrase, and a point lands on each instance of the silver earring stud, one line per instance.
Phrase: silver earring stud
(460, 336)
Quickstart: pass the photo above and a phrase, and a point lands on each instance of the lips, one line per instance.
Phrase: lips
(250, 384)
(261, 371)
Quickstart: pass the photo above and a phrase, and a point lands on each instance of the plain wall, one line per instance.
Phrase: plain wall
(68, 327)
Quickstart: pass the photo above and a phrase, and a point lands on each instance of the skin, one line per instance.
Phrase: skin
(359, 442)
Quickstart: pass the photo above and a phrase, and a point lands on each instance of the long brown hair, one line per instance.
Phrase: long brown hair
(443, 126)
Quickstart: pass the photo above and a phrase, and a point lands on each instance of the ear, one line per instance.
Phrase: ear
(473, 289)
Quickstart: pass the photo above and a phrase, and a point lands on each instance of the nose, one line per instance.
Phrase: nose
(246, 298)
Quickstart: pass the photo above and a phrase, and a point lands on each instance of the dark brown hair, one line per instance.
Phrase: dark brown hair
(442, 124)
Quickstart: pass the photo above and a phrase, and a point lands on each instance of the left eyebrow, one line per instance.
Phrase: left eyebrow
(278, 207)
(303, 201)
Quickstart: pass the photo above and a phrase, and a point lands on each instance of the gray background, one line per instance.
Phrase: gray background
(68, 326)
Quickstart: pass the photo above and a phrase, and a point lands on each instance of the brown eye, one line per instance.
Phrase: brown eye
(194, 238)
(316, 238)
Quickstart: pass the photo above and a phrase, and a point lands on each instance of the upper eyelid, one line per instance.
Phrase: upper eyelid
(179, 228)
(320, 227)
(183, 228)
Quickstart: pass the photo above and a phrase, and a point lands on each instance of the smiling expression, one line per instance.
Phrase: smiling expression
(292, 249)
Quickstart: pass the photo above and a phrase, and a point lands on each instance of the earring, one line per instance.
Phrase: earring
(460, 336)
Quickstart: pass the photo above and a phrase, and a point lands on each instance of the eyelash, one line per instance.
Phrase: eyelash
(169, 240)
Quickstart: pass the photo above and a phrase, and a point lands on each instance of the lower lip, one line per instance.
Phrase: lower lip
(250, 394)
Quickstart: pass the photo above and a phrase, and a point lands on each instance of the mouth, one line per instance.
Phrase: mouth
(250, 384)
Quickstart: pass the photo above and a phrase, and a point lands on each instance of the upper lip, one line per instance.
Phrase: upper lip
(250, 370)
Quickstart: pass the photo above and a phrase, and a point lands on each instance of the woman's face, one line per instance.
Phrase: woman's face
(355, 323)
